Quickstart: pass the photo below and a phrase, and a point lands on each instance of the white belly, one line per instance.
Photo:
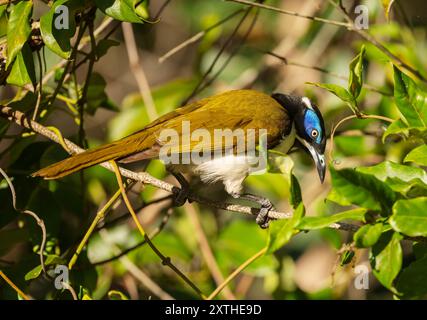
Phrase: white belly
(233, 169)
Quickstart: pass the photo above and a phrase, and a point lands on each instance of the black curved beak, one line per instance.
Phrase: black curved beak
(319, 159)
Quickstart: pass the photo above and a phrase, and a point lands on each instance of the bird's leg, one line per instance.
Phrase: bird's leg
(180, 194)
(262, 218)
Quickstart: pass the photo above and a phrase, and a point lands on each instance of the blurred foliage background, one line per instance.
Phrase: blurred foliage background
(311, 265)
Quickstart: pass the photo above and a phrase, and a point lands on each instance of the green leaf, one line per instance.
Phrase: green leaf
(361, 189)
(281, 231)
(295, 194)
(410, 99)
(410, 217)
(386, 258)
(418, 155)
(58, 39)
(49, 260)
(398, 127)
(368, 235)
(412, 283)
(398, 177)
(104, 45)
(355, 80)
(18, 28)
(3, 8)
(340, 92)
(311, 223)
(96, 96)
(23, 71)
(123, 10)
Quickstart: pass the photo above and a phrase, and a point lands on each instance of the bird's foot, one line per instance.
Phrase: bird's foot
(180, 194)
(262, 219)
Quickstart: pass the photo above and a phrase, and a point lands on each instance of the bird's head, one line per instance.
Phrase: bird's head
(309, 125)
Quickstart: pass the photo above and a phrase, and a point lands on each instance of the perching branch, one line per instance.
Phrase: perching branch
(19, 118)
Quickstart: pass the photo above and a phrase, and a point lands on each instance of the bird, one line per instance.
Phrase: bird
(283, 121)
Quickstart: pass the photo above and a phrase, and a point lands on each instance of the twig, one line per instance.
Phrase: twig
(165, 260)
(370, 38)
(206, 250)
(236, 272)
(20, 119)
(218, 55)
(349, 25)
(288, 62)
(136, 272)
(293, 13)
(39, 221)
(138, 71)
(98, 217)
(126, 216)
(83, 43)
(197, 36)
(151, 236)
(353, 116)
(14, 287)
(40, 89)
(231, 55)
(162, 7)
(68, 287)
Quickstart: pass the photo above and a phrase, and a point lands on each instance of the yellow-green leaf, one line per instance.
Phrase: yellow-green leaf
(410, 217)
(18, 28)
(281, 231)
(418, 155)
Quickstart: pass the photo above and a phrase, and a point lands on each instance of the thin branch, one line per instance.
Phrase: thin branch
(349, 25)
(138, 71)
(197, 36)
(83, 43)
(20, 119)
(39, 221)
(288, 62)
(236, 272)
(68, 287)
(14, 287)
(40, 87)
(293, 13)
(231, 55)
(138, 245)
(136, 272)
(166, 261)
(218, 55)
(206, 250)
(353, 116)
(98, 217)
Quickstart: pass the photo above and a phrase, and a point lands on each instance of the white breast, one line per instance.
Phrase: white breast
(233, 169)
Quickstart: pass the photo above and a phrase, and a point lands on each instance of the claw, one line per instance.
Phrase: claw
(262, 218)
(180, 196)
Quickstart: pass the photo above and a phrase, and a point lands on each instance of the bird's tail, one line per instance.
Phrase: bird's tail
(114, 150)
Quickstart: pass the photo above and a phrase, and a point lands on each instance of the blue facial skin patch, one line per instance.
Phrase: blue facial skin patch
(311, 121)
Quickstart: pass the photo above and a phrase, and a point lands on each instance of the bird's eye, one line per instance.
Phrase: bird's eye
(314, 133)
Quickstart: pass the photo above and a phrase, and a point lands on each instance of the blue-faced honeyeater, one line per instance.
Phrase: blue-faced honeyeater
(289, 121)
